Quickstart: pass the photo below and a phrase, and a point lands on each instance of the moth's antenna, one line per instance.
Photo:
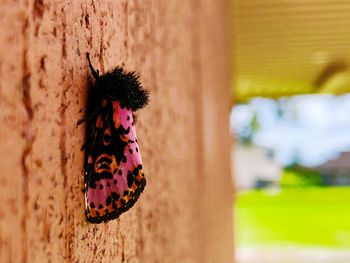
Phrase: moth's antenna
(95, 73)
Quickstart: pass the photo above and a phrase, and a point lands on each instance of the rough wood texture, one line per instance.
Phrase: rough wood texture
(179, 50)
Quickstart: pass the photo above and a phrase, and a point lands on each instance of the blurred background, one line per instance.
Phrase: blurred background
(291, 124)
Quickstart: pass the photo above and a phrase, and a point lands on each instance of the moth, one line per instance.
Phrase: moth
(114, 177)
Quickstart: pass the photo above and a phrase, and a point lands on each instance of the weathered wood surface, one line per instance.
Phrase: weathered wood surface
(179, 50)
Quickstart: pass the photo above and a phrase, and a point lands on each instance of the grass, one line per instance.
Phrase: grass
(304, 216)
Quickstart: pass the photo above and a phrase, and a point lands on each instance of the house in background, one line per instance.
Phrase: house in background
(254, 167)
(337, 171)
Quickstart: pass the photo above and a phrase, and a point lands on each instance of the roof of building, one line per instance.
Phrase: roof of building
(342, 162)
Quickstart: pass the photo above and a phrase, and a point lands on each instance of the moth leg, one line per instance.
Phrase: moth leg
(90, 117)
(81, 121)
(95, 73)
(85, 119)
(85, 145)
(88, 141)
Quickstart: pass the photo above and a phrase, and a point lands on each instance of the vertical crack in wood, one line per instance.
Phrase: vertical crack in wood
(102, 68)
(63, 151)
(63, 156)
(126, 19)
(28, 137)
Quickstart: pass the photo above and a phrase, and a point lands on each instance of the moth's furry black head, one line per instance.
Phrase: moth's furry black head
(122, 86)
(117, 85)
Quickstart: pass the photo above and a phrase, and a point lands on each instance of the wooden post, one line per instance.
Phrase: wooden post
(179, 50)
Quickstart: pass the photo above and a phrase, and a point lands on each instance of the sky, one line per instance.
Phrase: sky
(310, 128)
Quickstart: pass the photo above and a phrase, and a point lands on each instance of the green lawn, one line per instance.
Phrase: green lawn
(304, 216)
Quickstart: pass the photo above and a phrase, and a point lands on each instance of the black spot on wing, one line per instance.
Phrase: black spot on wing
(115, 196)
(108, 200)
(130, 179)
